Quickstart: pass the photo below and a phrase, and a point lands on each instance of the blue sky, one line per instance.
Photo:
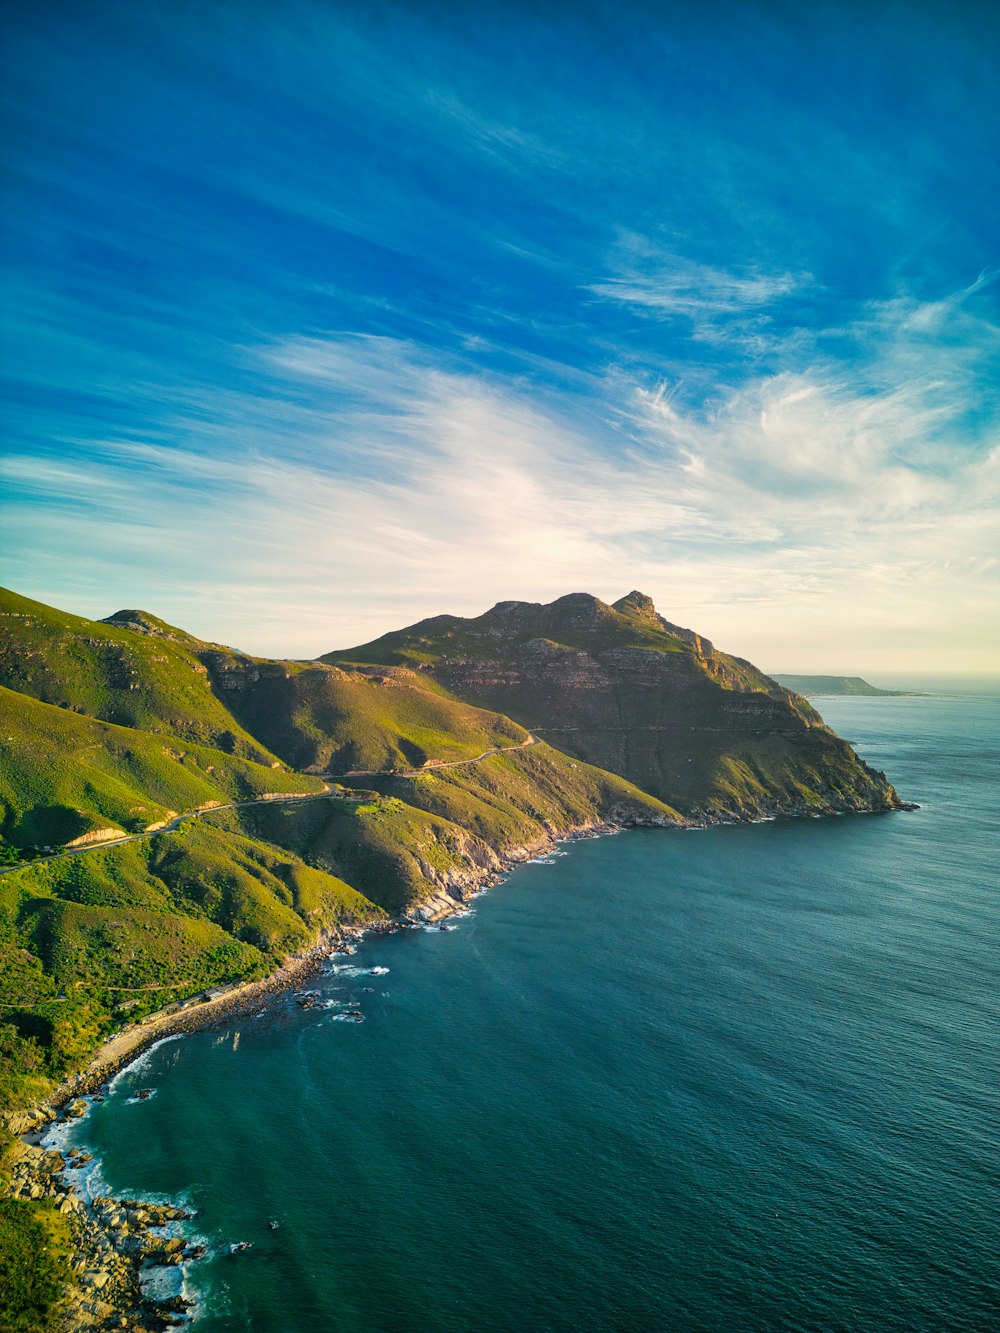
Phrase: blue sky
(320, 318)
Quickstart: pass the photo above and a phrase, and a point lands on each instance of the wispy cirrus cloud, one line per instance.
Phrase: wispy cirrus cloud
(317, 322)
(407, 483)
(668, 284)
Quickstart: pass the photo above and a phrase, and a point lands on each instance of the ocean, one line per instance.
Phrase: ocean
(742, 1078)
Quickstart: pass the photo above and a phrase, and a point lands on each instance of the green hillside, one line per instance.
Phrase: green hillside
(125, 930)
(317, 716)
(63, 775)
(137, 671)
(519, 799)
(134, 679)
(439, 830)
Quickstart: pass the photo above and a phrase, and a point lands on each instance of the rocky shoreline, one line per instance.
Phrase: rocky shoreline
(118, 1242)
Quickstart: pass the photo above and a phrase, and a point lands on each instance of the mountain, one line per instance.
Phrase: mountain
(267, 802)
(112, 728)
(176, 815)
(809, 685)
(628, 691)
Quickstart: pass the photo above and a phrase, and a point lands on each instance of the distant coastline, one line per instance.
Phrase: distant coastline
(814, 686)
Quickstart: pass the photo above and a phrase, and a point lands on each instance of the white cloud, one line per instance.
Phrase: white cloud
(371, 483)
(723, 307)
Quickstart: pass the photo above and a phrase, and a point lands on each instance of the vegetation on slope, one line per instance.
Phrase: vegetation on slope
(520, 799)
(63, 775)
(34, 1261)
(443, 829)
(90, 940)
(318, 717)
(155, 683)
(400, 854)
(136, 670)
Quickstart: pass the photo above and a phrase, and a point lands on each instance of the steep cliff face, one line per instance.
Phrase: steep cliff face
(624, 689)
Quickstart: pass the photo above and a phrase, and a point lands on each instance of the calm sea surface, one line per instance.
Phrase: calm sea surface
(735, 1079)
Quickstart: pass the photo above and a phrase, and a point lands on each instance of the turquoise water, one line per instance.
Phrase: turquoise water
(735, 1079)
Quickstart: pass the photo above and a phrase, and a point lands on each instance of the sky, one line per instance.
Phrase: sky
(322, 318)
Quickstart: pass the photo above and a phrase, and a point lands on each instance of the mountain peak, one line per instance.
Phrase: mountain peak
(579, 604)
(143, 622)
(636, 604)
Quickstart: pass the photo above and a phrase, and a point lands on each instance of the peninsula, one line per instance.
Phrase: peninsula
(810, 686)
(178, 820)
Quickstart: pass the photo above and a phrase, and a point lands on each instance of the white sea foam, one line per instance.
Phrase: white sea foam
(162, 1282)
(142, 1060)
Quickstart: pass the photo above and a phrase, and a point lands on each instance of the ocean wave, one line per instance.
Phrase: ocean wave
(142, 1060)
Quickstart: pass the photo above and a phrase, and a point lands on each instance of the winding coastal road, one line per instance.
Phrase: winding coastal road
(432, 766)
(274, 798)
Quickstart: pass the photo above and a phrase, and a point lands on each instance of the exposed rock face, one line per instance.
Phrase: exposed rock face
(624, 689)
(114, 1241)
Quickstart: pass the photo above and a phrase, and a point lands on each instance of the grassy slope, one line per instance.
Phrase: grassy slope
(145, 923)
(443, 828)
(35, 1249)
(155, 683)
(518, 799)
(397, 852)
(62, 774)
(317, 716)
(140, 672)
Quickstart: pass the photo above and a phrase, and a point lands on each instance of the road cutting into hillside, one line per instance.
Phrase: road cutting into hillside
(275, 799)
(432, 766)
